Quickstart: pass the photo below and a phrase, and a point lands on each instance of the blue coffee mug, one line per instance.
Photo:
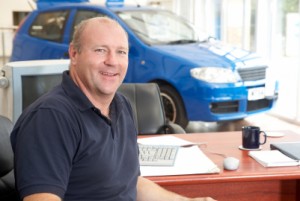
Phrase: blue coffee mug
(251, 137)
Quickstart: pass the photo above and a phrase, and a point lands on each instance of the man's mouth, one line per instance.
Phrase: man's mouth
(108, 74)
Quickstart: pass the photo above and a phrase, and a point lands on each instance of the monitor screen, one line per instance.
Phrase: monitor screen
(27, 80)
(34, 86)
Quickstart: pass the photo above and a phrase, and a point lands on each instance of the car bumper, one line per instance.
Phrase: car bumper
(225, 102)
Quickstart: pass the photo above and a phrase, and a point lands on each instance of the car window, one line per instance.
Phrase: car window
(49, 25)
(159, 27)
(83, 15)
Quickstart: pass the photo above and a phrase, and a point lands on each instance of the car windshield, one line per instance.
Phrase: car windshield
(159, 27)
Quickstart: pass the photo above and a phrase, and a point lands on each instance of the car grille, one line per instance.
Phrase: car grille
(233, 106)
(253, 73)
(258, 104)
(225, 107)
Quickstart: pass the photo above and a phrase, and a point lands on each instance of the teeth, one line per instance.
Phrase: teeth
(109, 74)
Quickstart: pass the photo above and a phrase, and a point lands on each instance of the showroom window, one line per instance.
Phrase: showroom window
(270, 27)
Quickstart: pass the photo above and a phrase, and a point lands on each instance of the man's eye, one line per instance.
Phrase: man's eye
(100, 50)
(123, 52)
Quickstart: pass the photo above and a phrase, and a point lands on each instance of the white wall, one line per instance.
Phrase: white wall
(6, 9)
(6, 24)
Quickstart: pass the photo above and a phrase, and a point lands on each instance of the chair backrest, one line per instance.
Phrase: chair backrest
(7, 181)
(147, 107)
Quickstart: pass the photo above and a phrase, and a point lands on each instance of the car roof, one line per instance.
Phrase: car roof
(44, 6)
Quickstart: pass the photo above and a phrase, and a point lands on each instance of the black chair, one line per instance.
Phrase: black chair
(148, 109)
(7, 181)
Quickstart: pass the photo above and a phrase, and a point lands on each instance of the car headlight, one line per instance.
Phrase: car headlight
(214, 75)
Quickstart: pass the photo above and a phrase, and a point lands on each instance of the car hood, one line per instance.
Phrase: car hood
(213, 54)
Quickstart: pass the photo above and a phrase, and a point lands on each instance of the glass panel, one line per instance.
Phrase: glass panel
(285, 56)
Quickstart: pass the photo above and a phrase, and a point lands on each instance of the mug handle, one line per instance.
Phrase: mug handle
(265, 137)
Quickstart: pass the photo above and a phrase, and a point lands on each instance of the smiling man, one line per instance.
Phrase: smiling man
(78, 142)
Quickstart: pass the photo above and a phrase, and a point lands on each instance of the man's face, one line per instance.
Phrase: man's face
(101, 65)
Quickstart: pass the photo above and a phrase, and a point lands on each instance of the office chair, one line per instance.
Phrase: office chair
(148, 109)
(7, 180)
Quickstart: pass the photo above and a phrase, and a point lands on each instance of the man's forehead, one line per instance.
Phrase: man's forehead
(106, 25)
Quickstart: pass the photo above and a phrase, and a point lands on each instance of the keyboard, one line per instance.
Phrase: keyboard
(157, 155)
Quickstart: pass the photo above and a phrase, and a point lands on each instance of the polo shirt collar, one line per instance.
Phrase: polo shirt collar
(78, 98)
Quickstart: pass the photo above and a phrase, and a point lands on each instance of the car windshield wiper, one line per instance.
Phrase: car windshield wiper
(182, 41)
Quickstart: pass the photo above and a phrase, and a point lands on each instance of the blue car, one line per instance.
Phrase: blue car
(200, 79)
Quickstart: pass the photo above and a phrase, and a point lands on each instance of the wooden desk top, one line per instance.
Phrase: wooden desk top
(227, 143)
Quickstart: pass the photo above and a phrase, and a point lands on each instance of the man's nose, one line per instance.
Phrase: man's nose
(111, 59)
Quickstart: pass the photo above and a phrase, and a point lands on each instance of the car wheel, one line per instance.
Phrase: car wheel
(173, 105)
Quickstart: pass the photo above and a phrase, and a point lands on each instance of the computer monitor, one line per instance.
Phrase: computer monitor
(23, 82)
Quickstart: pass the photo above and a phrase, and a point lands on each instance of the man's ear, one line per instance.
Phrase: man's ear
(72, 53)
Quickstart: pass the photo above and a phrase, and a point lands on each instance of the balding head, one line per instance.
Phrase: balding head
(80, 28)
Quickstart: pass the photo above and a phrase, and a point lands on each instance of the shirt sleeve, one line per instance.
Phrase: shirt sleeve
(46, 143)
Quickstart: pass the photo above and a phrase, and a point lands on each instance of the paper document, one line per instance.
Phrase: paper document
(190, 160)
(273, 158)
(166, 140)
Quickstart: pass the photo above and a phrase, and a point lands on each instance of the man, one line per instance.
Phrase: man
(78, 142)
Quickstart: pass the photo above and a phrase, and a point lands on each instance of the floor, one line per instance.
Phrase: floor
(267, 122)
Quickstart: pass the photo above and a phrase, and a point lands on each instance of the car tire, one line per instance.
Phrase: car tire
(174, 108)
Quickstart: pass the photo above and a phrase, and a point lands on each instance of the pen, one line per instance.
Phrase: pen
(193, 144)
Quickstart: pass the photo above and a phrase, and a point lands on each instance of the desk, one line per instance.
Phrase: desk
(251, 181)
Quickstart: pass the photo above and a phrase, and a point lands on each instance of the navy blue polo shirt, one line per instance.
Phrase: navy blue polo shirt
(63, 145)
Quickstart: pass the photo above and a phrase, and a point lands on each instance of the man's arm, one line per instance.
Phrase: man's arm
(149, 191)
(42, 197)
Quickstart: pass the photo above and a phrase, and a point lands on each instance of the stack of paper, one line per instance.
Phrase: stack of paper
(273, 158)
(190, 160)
